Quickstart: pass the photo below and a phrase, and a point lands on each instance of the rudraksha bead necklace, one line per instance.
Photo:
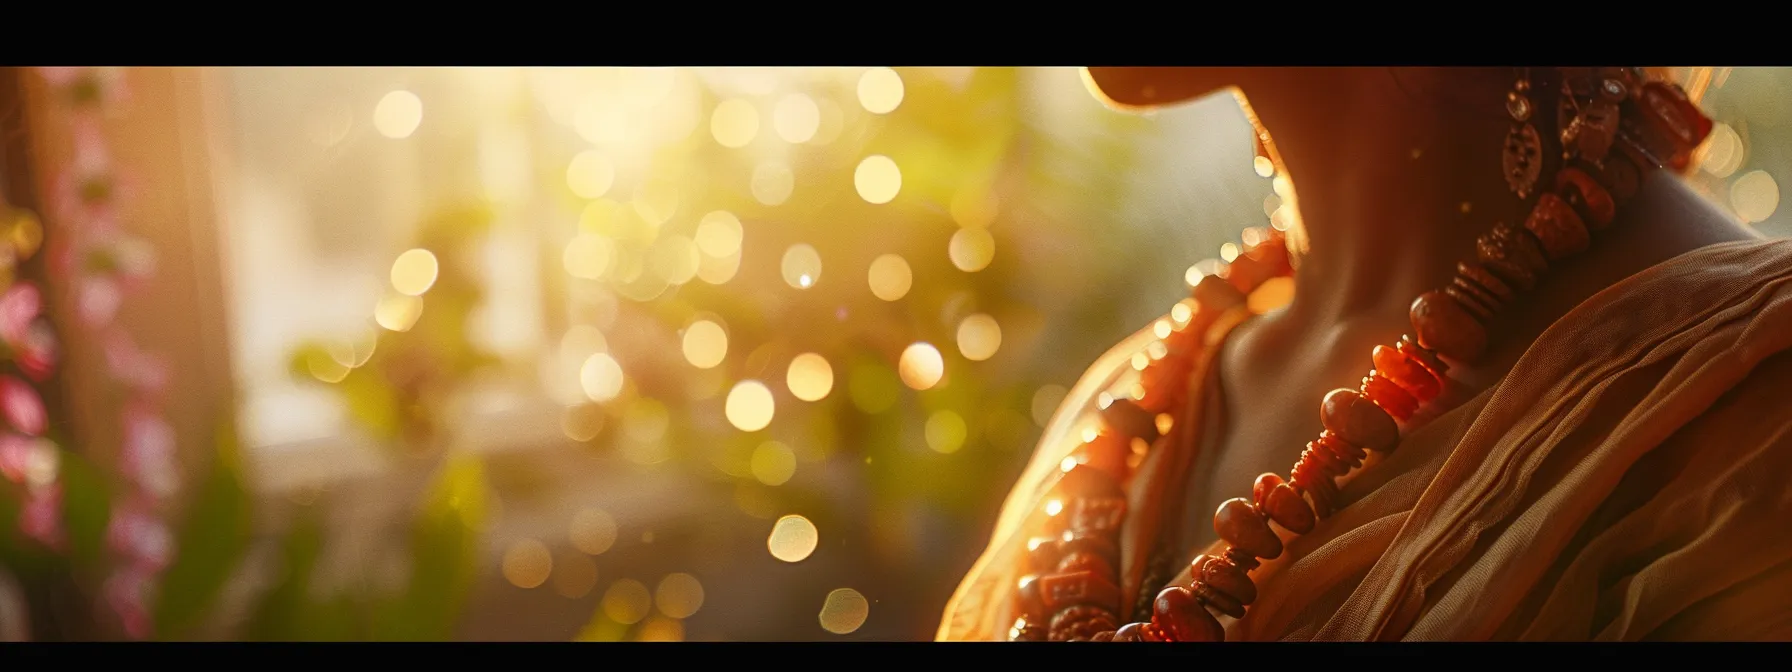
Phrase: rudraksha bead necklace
(1072, 592)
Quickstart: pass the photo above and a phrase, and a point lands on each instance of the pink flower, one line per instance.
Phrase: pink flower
(61, 75)
(18, 307)
(23, 409)
(140, 370)
(97, 300)
(15, 456)
(41, 518)
(128, 594)
(148, 452)
(135, 532)
(37, 354)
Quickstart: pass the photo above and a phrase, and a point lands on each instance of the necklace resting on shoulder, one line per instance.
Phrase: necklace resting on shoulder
(1072, 593)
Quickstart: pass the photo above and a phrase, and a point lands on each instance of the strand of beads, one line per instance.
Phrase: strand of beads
(1072, 591)
(1452, 321)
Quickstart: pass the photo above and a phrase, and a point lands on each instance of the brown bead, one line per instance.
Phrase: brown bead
(1028, 600)
(1622, 179)
(1324, 497)
(1077, 562)
(1260, 489)
(1595, 202)
(1130, 419)
(1215, 294)
(1670, 115)
(1288, 510)
(1477, 275)
(1149, 632)
(1445, 327)
(1358, 420)
(1425, 357)
(1163, 381)
(1057, 591)
(1087, 481)
(1026, 631)
(1481, 302)
(1306, 473)
(1511, 254)
(1072, 542)
(1240, 526)
(1326, 461)
(1107, 453)
(1128, 633)
(1103, 636)
(1096, 516)
(1225, 577)
(1043, 553)
(1349, 453)
(1389, 396)
(1242, 559)
(1409, 375)
(1220, 602)
(1177, 614)
(1246, 273)
(1557, 228)
(1079, 623)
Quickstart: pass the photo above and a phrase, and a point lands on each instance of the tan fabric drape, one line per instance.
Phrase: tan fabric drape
(1631, 478)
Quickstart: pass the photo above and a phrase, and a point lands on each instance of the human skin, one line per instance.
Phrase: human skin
(1396, 171)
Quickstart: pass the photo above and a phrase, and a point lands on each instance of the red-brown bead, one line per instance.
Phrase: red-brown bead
(1043, 553)
(1072, 542)
(1512, 254)
(1445, 327)
(1358, 420)
(1163, 382)
(1478, 301)
(1557, 227)
(1214, 293)
(1225, 577)
(1096, 516)
(1238, 524)
(1091, 562)
(1079, 623)
(1107, 453)
(1478, 276)
(1057, 591)
(1408, 374)
(1178, 615)
(1247, 273)
(1129, 633)
(1026, 631)
(1087, 481)
(1288, 510)
(1028, 599)
(1597, 203)
(1220, 602)
(1410, 347)
(1389, 396)
(1348, 453)
(1130, 419)
(1149, 632)
(1260, 489)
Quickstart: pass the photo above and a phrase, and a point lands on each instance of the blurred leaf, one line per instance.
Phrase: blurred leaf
(86, 508)
(209, 543)
(444, 554)
(603, 629)
(284, 611)
(371, 402)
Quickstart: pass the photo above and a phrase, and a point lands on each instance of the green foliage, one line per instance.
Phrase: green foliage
(445, 543)
(286, 612)
(210, 542)
(86, 508)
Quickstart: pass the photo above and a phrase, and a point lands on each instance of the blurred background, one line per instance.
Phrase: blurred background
(581, 353)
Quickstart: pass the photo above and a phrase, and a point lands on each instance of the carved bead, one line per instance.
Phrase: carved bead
(1215, 294)
(1409, 375)
(1028, 599)
(1078, 562)
(1079, 623)
(1071, 542)
(1096, 516)
(1238, 524)
(1479, 301)
(1103, 636)
(1621, 178)
(1288, 510)
(1260, 489)
(1223, 576)
(1349, 453)
(1512, 254)
(1043, 553)
(1128, 633)
(1176, 614)
(1359, 421)
(1220, 602)
(1557, 228)
(1130, 419)
(1389, 396)
(1243, 560)
(1673, 126)
(1595, 202)
(1107, 453)
(1478, 276)
(1057, 591)
(1324, 460)
(1410, 347)
(1445, 327)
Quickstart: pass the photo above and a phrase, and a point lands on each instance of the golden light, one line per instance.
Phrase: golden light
(833, 121)
(810, 377)
(398, 312)
(718, 270)
(975, 208)
(1045, 403)
(1755, 196)
(582, 422)
(1263, 166)
(1271, 295)
(592, 531)
(719, 234)
(705, 344)
(844, 611)
(656, 201)
(796, 118)
(1723, 152)
(27, 233)
(574, 575)
(398, 114)
(877, 179)
(600, 120)
(674, 258)
(801, 266)
(580, 342)
(945, 432)
(587, 256)
(414, 272)
(890, 277)
(645, 421)
(793, 538)
(735, 123)
(601, 377)
(971, 250)
(1228, 252)
(880, 90)
(773, 463)
(326, 368)
(1054, 507)
(527, 563)
(590, 174)
(661, 629)
(749, 406)
(679, 595)
(772, 183)
(979, 336)
(921, 366)
(627, 602)
(1270, 203)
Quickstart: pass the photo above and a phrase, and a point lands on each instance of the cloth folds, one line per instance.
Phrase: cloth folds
(1629, 479)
